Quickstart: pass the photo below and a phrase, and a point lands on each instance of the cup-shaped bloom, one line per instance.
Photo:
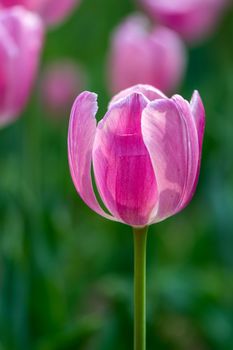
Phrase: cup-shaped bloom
(21, 38)
(193, 19)
(140, 54)
(52, 11)
(145, 153)
(60, 82)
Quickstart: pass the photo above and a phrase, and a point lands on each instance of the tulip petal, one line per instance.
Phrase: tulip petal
(194, 151)
(122, 165)
(8, 51)
(21, 34)
(171, 139)
(147, 90)
(198, 113)
(81, 134)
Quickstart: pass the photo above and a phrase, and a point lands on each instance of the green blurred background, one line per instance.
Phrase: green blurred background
(66, 274)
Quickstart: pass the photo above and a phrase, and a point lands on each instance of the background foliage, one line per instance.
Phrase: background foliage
(66, 273)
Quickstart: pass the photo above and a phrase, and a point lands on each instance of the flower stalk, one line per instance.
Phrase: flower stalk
(140, 240)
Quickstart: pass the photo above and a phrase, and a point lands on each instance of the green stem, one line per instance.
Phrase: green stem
(140, 238)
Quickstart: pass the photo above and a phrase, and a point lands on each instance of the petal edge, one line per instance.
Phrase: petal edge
(81, 134)
(167, 137)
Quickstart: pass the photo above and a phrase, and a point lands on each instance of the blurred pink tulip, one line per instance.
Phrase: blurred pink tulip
(193, 19)
(140, 55)
(60, 83)
(145, 152)
(21, 37)
(52, 11)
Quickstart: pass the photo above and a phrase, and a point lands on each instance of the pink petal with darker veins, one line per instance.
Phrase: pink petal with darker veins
(171, 140)
(194, 155)
(122, 165)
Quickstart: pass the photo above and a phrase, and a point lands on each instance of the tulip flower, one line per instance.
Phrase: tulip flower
(59, 85)
(193, 19)
(21, 38)
(146, 155)
(145, 152)
(52, 11)
(141, 54)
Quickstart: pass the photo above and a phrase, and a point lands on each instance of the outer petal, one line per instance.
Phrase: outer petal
(81, 134)
(198, 113)
(194, 150)
(122, 165)
(171, 139)
(148, 91)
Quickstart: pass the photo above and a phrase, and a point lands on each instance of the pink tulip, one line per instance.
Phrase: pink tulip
(52, 11)
(21, 37)
(140, 54)
(193, 19)
(145, 153)
(60, 83)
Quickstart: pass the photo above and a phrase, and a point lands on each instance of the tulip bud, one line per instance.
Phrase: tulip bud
(21, 38)
(140, 54)
(60, 83)
(145, 153)
(192, 19)
(52, 11)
